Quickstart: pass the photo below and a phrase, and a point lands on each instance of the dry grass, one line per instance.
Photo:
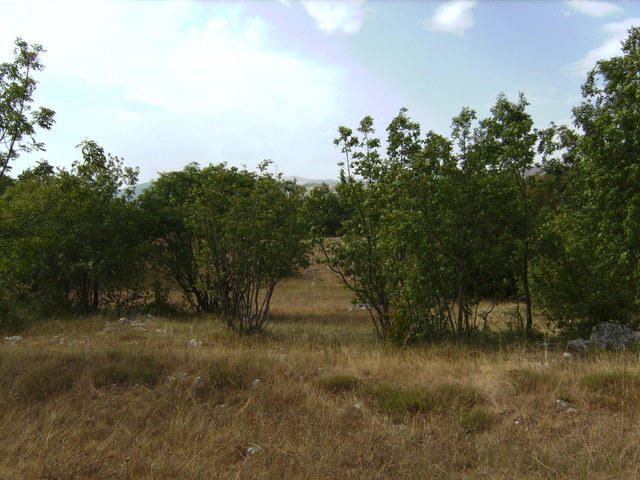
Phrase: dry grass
(317, 397)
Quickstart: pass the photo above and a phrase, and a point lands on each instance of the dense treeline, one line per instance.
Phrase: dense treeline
(498, 210)
(420, 232)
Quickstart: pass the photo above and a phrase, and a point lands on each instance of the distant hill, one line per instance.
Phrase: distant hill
(309, 183)
(305, 182)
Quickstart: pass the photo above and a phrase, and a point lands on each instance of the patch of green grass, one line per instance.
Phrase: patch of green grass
(614, 389)
(339, 383)
(393, 400)
(44, 383)
(110, 375)
(129, 369)
(475, 421)
(529, 380)
(229, 374)
(457, 397)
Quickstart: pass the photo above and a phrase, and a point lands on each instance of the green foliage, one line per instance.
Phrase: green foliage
(171, 242)
(249, 235)
(339, 383)
(73, 240)
(18, 121)
(324, 211)
(431, 227)
(590, 270)
(226, 237)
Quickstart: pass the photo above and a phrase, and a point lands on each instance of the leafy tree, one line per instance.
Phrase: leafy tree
(18, 121)
(591, 271)
(85, 247)
(359, 257)
(250, 234)
(172, 241)
(324, 210)
(510, 141)
(428, 234)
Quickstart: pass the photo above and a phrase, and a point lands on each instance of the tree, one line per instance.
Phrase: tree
(172, 241)
(324, 210)
(18, 121)
(250, 234)
(358, 257)
(425, 236)
(86, 246)
(592, 269)
(510, 140)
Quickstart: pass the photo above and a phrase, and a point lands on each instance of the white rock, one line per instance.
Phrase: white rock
(253, 450)
(256, 382)
(568, 355)
(195, 343)
(15, 339)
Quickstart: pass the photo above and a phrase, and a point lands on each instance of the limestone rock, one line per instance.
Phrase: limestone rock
(612, 335)
(579, 344)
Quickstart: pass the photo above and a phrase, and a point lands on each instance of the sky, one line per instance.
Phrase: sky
(165, 83)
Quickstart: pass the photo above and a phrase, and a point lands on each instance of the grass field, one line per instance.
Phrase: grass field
(317, 397)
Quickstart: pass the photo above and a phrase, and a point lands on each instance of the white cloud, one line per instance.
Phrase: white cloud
(594, 8)
(344, 16)
(617, 33)
(163, 82)
(453, 17)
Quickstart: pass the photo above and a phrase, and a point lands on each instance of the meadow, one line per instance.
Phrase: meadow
(316, 397)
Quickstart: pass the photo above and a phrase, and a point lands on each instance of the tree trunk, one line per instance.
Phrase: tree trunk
(96, 297)
(527, 298)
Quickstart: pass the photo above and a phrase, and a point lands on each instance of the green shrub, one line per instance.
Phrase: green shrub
(478, 420)
(339, 383)
(44, 383)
